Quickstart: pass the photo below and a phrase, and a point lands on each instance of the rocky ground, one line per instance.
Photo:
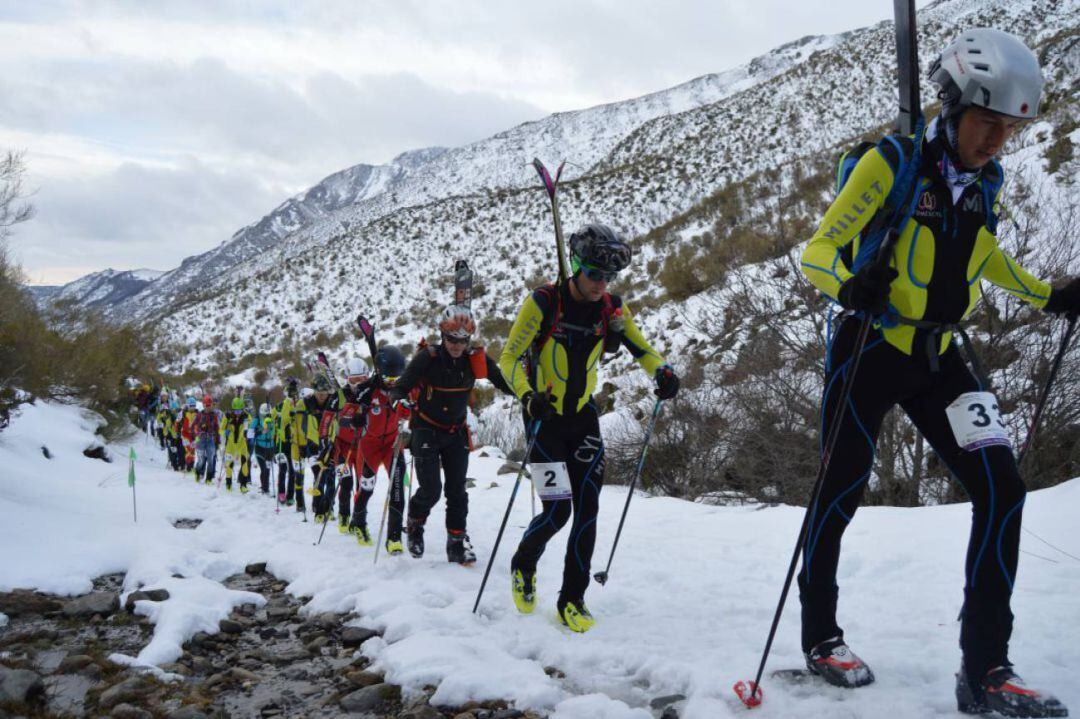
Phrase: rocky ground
(273, 661)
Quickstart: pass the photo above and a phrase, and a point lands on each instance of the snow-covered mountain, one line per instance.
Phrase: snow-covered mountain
(364, 193)
(99, 290)
(647, 166)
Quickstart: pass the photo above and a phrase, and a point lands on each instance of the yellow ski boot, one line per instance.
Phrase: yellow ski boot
(394, 547)
(523, 587)
(343, 525)
(576, 616)
(363, 536)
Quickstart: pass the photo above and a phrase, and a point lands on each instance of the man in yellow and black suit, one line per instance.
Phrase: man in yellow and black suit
(550, 361)
(990, 83)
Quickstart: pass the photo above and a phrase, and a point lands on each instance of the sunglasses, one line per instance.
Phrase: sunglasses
(598, 275)
(455, 340)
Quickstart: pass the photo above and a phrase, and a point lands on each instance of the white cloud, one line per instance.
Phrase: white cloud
(260, 101)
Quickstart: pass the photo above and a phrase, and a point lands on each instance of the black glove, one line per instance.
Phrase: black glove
(667, 382)
(538, 405)
(868, 290)
(1065, 299)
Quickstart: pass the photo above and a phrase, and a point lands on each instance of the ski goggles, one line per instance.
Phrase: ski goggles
(598, 275)
(450, 340)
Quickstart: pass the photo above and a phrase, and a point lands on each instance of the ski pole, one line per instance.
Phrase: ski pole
(398, 443)
(534, 431)
(1041, 404)
(602, 577)
(750, 694)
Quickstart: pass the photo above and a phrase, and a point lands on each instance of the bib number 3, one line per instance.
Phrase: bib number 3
(551, 480)
(976, 421)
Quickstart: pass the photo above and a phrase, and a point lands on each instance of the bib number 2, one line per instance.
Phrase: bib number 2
(551, 480)
(976, 421)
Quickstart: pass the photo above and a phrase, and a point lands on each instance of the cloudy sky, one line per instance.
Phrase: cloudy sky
(154, 130)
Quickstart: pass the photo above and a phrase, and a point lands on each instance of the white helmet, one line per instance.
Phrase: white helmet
(457, 321)
(356, 367)
(264, 409)
(307, 392)
(988, 68)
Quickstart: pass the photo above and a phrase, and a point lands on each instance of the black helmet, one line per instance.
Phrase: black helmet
(321, 384)
(598, 247)
(389, 362)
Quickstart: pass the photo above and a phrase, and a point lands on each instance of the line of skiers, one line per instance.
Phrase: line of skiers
(549, 362)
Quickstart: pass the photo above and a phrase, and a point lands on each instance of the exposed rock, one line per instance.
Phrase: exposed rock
(670, 713)
(188, 712)
(555, 672)
(150, 595)
(279, 613)
(94, 603)
(66, 693)
(355, 636)
(363, 679)
(186, 523)
(21, 602)
(255, 569)
(243, 675)
(128, 690)
(231, 626)
(93, 452)
(327, 621)
(175, 668)
(509, 468)
(126, 711)
(288, 656)
(73, 663)
(508, 714)
(424, 711)
(375, 698)
(666, 700)
(20, 686)
(315, 645)
(465, 715)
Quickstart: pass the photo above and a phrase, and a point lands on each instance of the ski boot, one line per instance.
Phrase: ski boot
(414, 532)
(343, 524)
(281, 499)
(363, 536)
(523, 587)
(244, 489)
(833, 661)
(575, 615)
(394, 547)
(458, 548)
(1002, 691)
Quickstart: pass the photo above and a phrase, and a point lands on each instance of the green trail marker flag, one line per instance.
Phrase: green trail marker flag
(131, 483)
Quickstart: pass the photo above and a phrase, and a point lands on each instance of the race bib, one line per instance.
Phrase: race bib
(251, 434)
(551, 480)
(367, 483)
(228, 458)
(298, 467)
(343, 470)
(976, 421)
(280, 458)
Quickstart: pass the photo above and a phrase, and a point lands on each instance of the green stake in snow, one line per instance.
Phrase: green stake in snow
(131, 483)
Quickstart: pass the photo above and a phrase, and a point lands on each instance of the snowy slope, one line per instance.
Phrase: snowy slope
(691, 593)
(423, 176)
(797, 103)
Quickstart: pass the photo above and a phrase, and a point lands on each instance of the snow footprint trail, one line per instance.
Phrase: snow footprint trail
(691, 594)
